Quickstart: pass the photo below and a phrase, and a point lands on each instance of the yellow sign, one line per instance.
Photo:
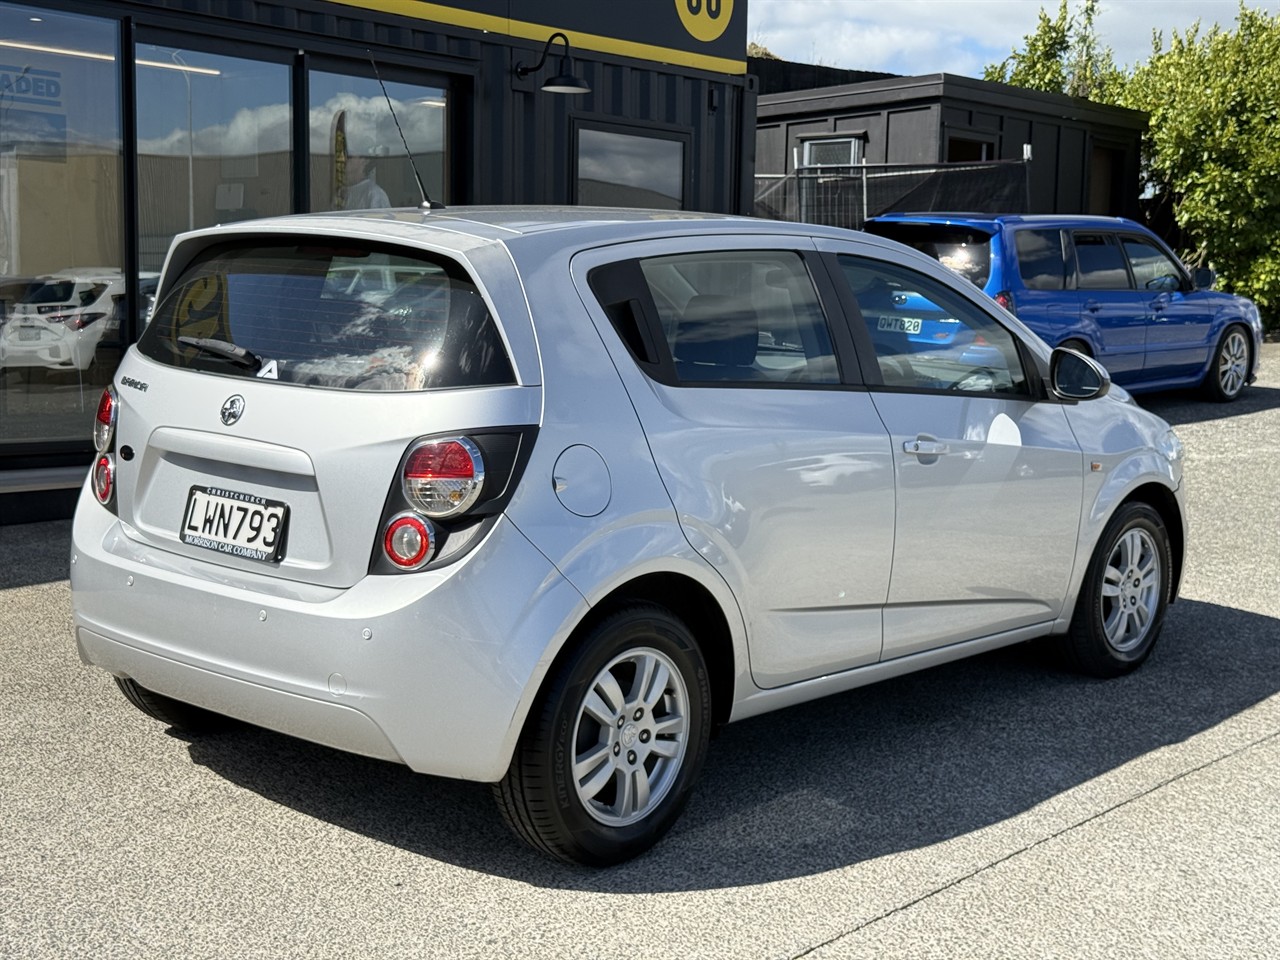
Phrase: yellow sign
(705, 20)
(202, 311)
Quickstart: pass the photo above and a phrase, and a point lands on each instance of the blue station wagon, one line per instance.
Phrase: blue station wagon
(1106, 287)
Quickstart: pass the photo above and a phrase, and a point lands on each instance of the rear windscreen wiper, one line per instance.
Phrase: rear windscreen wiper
(228, 351)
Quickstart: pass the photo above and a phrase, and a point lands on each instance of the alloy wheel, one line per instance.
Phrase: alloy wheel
(1131, 587)
(630, 738)
(1233, 363)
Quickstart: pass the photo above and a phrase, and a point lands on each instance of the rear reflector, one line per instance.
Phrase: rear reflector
(104, 478)
(408, 541)
(104, 424)
(443, 478)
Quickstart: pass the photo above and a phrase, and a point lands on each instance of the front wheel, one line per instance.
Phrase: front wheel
(610, 753)
(1230, 368)
(1126, 590)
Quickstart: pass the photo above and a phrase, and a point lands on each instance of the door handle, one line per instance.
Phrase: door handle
(924, 448)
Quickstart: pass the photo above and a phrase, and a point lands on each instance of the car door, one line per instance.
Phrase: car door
(1110, 308)
(989, 476)
(1046, 299)
(1180, 318)
(776, 461)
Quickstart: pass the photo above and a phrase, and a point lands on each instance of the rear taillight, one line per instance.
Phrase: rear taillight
(443, 478)
(447, 493)
(104, 478)
(81, 320)
(1005, 299)
(104, 424)
(409, 541)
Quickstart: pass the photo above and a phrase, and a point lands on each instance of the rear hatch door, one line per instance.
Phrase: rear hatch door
(265, 411)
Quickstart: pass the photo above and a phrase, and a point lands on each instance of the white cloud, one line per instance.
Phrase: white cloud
(266, 129)
(958, 36)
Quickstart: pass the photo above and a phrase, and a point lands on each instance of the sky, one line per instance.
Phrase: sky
(913, 37)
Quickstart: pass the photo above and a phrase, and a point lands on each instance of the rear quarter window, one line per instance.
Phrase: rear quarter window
(1041, 262)
(328, 315)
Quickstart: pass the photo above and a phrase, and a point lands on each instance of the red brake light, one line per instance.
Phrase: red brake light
(104, 426)
(82, 320)
(443, 478)
(104, 478)
(1005, 299)
(408, 541)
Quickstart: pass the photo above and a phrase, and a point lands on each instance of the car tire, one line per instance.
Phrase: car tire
(174, 713)
(1124, 596)
(1079, 346)
(1229, 370)
(608, 758)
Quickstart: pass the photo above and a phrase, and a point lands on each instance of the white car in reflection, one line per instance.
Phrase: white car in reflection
(62, 318)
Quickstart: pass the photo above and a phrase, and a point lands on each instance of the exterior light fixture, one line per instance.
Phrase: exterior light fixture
(564, 81)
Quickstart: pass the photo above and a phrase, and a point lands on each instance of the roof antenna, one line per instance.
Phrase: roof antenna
(427, 203)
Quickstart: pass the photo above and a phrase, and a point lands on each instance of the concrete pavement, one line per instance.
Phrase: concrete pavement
(993, 808)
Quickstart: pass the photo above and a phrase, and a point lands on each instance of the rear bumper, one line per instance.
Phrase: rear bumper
(435, 669)
(55, 354)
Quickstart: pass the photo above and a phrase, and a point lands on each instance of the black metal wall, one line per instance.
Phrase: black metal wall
(1075, 144)
(507, 141)
(510, 142)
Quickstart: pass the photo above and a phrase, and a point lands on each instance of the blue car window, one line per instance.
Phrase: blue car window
(1041, 263)
(927, 337)
(1152, 267)
(1101, 264)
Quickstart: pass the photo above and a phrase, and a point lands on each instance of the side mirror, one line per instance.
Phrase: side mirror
(1204, 278)
(1074, 377)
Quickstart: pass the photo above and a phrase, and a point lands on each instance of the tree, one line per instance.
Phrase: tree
(1213, 145)
(760, 51)
(1212, 149)
(1062, 55)
(1041, 64)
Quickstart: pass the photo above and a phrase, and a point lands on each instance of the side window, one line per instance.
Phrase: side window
(1152, 268)
(1040, 261)
(749, 316)
(1100, 262)
(928, 337)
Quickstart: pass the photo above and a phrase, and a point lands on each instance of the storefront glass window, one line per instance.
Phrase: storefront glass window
(213, 143)
(357, 158)
(61, 285)
(627, 170)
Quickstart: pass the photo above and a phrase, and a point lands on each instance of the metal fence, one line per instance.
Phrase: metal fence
(847, 196)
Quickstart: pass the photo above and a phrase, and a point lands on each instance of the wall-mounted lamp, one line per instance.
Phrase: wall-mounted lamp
(564, 81)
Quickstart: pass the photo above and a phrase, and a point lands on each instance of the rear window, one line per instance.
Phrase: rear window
(55, 291)
(963, 250)
(350, 318)
(1041, 263)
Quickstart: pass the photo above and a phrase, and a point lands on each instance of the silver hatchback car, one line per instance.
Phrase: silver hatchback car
(578, 486)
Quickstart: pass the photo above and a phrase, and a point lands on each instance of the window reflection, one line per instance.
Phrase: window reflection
(625, 170)
(358, 161)
(61, 284)
(213, 143)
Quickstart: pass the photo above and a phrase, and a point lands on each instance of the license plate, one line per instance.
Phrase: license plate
(235, 523)
(900, 324)
(26, 334)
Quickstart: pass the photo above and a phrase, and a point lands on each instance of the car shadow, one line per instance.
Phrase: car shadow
(893, 767)
(1179, 407)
